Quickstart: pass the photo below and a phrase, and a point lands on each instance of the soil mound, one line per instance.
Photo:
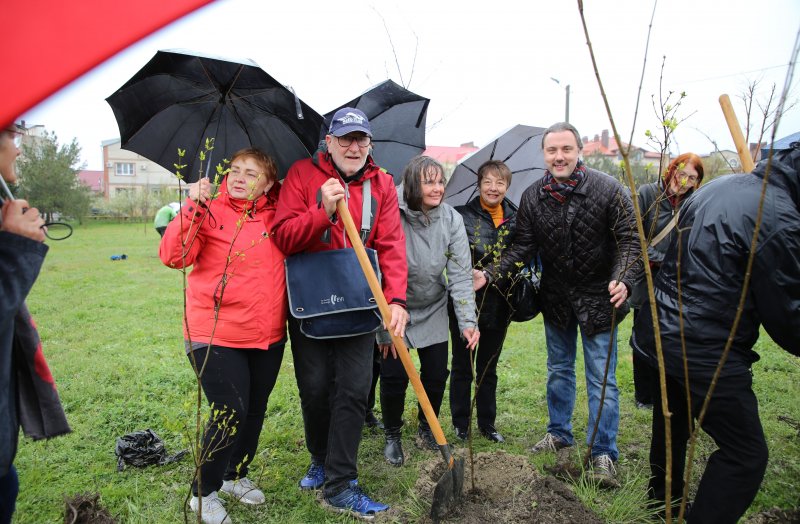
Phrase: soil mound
(508, 489)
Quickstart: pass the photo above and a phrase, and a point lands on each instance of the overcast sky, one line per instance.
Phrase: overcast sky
(485, 66)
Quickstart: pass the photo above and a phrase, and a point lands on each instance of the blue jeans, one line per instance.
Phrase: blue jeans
(561, 350)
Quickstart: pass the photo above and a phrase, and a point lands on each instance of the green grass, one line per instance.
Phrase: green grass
(111, 332)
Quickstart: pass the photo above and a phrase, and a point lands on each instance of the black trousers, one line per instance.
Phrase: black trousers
(394, 382)
(238, 382)
(376, 374)
(486, 357)
(333, 378)
(735, 470)
(642, 383)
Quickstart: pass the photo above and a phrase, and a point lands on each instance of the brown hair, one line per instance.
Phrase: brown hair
(681, 161)
(495, 167)
(558, 127)
(265, 162)
(416, 168)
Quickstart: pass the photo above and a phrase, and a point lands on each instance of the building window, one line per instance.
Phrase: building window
(124, 168)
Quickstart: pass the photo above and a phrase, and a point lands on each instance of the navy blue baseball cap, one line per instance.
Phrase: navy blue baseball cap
(347, 120)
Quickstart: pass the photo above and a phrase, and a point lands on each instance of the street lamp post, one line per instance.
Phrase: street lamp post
(566, 110)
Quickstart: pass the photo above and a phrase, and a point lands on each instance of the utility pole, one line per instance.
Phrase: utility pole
(566, 109)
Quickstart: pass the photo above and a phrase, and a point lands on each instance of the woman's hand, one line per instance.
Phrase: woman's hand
(200, 191)
(471, 335)
(618, 292)
(22, 221)
(397, 324)
(478, 279)
(386, 348)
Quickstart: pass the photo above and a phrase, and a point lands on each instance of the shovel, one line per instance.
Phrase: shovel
(448, 488)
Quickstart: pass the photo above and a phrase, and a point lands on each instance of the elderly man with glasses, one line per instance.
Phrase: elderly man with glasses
(334, 374)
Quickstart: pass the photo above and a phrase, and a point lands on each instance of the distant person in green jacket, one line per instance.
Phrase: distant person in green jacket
(164, 216)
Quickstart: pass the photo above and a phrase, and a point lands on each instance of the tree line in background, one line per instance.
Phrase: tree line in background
(49, 180)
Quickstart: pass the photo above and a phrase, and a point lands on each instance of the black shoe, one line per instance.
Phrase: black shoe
(491, 433)
(371, 421)
(425, 438)
(461, 433)
(393, 450)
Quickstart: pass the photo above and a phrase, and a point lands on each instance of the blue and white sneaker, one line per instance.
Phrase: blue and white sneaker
(356, 503)
(315, 477)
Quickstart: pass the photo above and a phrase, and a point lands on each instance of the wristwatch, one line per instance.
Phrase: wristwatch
(487, 276)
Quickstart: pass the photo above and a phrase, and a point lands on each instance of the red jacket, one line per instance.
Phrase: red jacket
(254, 305)
(301, 224)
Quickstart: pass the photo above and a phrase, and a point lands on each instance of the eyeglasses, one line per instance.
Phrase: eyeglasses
(17, 136)
(347, 141)
(690, 178)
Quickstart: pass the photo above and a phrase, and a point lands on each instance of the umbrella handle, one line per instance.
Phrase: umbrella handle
(399, 344)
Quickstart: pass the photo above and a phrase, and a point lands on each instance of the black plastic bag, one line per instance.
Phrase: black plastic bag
(143, 448)
(524, 296)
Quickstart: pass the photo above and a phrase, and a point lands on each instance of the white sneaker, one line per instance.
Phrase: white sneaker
(214, 511)
(243, 490)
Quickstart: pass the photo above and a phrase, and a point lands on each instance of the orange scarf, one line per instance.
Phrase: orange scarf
(496, 212)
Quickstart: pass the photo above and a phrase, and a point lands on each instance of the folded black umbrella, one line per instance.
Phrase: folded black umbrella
(397, 119)
(178, 100)
(520, 148)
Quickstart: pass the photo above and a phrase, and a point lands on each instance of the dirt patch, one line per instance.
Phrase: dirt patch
(85, 508)
(775, 516)
(508, 489)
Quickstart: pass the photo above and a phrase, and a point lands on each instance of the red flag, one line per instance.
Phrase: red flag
(48, 44)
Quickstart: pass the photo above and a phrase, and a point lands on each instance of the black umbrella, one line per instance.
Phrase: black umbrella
(397, 119)
(180, 99)
(520, 148)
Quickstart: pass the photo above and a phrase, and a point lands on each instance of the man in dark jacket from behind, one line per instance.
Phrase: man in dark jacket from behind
(580, 222)
(716, 229)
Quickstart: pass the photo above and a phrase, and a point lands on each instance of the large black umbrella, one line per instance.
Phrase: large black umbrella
(397, 119)
(520, 148)
(180, 99)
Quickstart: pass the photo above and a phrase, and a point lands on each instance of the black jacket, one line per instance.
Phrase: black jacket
(717, 225)
(487, 243)
(657, 212)
(20, 261)
(583, 245)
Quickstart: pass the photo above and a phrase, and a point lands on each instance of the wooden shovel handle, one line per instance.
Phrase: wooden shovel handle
(736, 133)
(383, 306)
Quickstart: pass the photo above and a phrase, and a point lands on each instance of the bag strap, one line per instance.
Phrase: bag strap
(366, 210)
(664, 232)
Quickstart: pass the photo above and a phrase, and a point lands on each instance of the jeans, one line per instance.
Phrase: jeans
(333, 378)
(238, 381)
(561, 351)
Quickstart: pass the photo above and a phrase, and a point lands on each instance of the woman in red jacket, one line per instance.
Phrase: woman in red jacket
(235, 326)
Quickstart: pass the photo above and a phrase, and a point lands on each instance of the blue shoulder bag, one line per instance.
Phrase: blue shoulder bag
(329, 294)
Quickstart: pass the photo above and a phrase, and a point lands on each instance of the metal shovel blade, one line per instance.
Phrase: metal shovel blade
(448, 490)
